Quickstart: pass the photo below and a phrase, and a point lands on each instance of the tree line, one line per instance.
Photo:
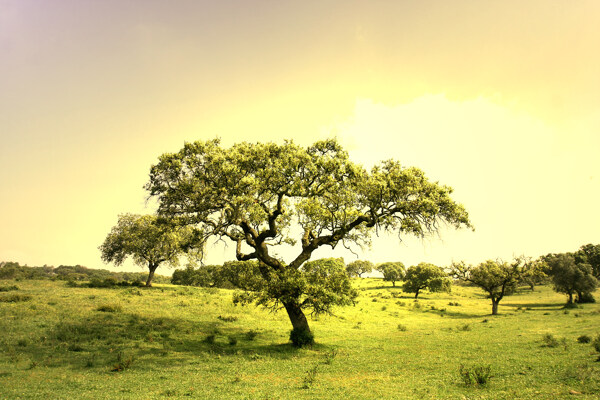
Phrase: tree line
(574, 274)
(74, 273)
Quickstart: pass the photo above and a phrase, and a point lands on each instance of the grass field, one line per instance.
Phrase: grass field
(60, 342)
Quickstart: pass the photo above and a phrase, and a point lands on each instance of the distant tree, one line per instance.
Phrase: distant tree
(359, 267)
(590, 254)
(392, 271)
(497, 278)
(148, 241)
(535, 273)
(426, 276)
(571, 278)
(258, 195)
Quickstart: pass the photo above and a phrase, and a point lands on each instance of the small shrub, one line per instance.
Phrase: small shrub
(402, 328)
(464, 327)
(210, 339)
(550, 341)
(302, 337)
(475, 376)
(8, 288)
(22, 342)
(232, 341)
(584, 339)
(251, 334)
(383, 308)
(596, 344)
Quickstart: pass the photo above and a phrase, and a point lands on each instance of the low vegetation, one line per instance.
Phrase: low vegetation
(189, 342)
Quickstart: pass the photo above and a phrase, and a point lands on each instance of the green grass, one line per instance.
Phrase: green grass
(179, 342)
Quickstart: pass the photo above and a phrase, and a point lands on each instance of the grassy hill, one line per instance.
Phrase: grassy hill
(61, 342)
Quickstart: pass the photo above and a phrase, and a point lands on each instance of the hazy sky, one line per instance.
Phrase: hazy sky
(498, 99)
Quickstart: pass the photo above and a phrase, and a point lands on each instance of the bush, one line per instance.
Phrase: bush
(586, 298)
(8, 288)
(302, 337)
(584, 339)
(476, 376)
(251, 334)
(596, 344)
(550, 341)
(402, 328)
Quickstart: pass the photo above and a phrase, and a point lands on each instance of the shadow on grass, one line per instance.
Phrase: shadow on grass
(538, 306)
(103, 339)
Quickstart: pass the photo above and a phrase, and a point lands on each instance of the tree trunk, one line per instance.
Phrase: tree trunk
(570, 301)
(301, 334)
(151, 268)
(417, 293)
(495, 306)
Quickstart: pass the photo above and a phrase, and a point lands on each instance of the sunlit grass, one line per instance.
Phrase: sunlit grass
(182, 342)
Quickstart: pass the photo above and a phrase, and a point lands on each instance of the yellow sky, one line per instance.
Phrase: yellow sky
(500, 100)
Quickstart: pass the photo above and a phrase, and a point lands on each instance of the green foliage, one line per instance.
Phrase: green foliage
(549, 340)
(426, 276)
(318, 286)
(392, 271)
(572, 278)
(590, 254)
(477, 375)
(497, 278)
(596, 343)
(359, 267)
(584, 339)
(8, 288)
(149, 241)
(257, 195)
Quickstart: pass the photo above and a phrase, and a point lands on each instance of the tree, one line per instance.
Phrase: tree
(590, 254)
(392, 271)
(426, 276)
(571, 278)
(359, 267)
(535, 272)
(497, 278)
(148, 241)
(255, 195)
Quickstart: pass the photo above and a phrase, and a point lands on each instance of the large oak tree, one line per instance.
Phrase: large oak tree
(263, 195)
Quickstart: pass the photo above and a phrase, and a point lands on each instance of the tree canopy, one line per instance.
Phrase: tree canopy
(148, 241)
(570, 277)
(359, 267)
(425, 276)
(392, 271)
(497, 278)
(262, 195)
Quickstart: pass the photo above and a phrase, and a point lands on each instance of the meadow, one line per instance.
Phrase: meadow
(61, 342)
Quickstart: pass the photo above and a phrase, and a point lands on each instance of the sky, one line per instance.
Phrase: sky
(499, 100)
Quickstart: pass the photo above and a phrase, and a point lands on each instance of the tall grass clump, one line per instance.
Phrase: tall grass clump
(478, 375)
